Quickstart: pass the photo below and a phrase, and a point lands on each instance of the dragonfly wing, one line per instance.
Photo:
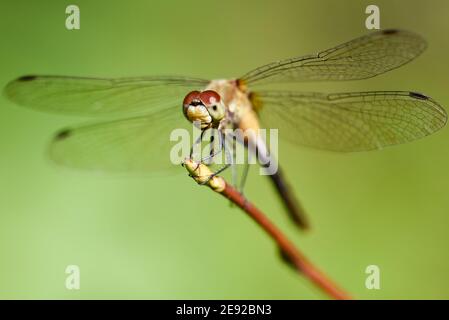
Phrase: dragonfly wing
(361, 58)
(100, 97)
(351, 121)
(139, 144)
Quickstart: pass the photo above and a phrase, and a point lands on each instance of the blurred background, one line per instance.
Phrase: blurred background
(166, 237)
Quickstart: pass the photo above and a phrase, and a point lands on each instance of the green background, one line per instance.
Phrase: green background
(165, 237)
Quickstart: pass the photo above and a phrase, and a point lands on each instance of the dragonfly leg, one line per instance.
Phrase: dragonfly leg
(208, 160)
(214, 152)
(231, 158)
(244, 177)
(229, 162)
(198, 140)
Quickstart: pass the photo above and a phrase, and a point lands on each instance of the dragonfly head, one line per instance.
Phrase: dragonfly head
(205, 107)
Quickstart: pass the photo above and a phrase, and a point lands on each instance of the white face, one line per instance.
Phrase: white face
(205, 107)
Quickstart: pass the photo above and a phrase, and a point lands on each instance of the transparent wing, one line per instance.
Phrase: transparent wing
(361, 58)
(140, 144)
(97, 97)
(351, 121)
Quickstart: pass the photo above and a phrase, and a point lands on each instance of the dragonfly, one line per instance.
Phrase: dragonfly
(142, 111)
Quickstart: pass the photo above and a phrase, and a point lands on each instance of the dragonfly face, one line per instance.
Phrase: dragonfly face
(206, 107)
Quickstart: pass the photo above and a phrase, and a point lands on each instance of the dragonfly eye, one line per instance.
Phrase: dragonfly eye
(205, 107)
(212, 101)
(210, 98)
(193, 98)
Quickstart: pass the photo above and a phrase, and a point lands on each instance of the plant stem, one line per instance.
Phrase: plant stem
(302, 264)
(201, 173)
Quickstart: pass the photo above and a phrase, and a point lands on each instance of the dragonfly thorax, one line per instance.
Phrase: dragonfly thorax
(205, 107)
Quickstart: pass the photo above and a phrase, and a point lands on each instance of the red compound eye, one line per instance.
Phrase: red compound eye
(209, 98)
(190, 97)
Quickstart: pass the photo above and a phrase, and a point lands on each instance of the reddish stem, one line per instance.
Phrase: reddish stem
(301, 263)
